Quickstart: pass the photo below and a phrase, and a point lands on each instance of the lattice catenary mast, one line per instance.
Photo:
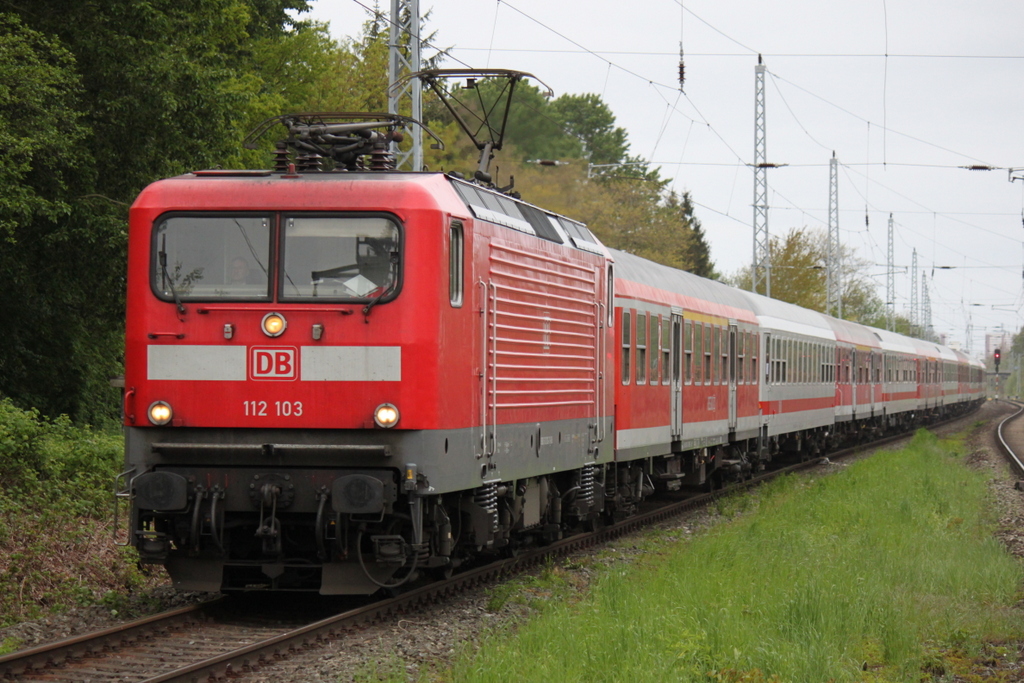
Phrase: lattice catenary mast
(914, 319)
(761, 270)
(970, 333)
(405, 21)
(834, 265)
(890, 283)
(926, 309)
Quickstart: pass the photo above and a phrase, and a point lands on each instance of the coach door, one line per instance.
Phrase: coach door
(677, 378)
(732, 377)
(854, 367)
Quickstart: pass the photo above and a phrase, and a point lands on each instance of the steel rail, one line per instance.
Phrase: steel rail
(260, 654)
(266, 652)
(1015, 462)
(57, 654)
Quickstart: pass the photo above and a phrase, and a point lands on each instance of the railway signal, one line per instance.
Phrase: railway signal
(996, 357)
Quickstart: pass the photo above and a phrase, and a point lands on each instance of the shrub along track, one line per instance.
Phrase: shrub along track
(245, 634)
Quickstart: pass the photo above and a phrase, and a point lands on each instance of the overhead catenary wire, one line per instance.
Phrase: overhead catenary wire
(698, 120)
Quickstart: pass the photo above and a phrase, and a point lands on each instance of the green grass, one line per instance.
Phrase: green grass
(870, 574)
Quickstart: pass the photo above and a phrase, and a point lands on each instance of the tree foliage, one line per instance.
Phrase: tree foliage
(624, 202)
(799, 276)
(99, 99)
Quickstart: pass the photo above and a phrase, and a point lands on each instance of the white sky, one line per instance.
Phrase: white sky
(949, 94)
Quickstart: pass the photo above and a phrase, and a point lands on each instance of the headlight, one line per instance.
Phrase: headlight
(160, 413)
(274, 324)
(386, 415)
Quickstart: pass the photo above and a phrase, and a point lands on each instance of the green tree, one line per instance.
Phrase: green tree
(589, 119)
(799, 277)
(695, 252)
(40, 127)
(100, 99)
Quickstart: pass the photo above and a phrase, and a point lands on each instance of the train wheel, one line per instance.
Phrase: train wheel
(594, 524)
(442, 573)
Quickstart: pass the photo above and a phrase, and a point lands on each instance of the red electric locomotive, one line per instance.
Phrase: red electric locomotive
(336, 380)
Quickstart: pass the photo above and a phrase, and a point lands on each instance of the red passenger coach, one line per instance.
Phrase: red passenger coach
(687, 374)
(338, 380)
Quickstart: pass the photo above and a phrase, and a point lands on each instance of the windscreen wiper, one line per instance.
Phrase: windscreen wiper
(376, 300)
(387, 290)
(167, 277)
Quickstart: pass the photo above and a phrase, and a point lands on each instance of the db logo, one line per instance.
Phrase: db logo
(273, 362)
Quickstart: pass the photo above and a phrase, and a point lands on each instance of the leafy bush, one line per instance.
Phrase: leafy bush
(56, 549)
(44, 461)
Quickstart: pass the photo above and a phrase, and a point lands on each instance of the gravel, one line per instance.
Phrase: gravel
(429, 638)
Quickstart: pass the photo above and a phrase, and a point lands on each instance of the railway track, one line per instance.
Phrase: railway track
(212, 641)
(1006, 439)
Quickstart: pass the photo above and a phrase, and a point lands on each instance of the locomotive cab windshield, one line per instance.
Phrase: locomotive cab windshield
(319, 257)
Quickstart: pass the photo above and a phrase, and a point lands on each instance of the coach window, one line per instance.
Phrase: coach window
(775, 360)
(786, 367)
(754, 357)
(707, 353)
(455, 268)
(740, 355)
(655, 346)
(794, 361)
(748, 349)
(798, 361)
(716, 349)
(711, 350)
(804, 357)
(667, 371)
(641, 348)
(724, 348)
(698, 353)
(801, 359)
(626, 346)
(789, 367)
(688, 350)
(806, 362)
(789, 375)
